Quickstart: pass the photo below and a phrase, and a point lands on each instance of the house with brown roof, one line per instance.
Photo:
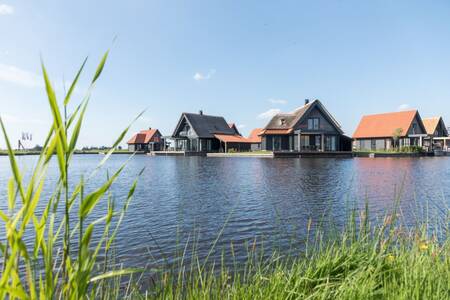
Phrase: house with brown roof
(308, 128)
(437, 133)
(146, 140)
(389, 130)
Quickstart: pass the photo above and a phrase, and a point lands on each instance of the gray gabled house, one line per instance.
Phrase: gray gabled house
(308, 128)
(203, 133)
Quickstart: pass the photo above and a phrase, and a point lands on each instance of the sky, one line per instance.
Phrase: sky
(244, 60)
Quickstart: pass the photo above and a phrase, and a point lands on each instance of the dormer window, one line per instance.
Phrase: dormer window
(282, 122)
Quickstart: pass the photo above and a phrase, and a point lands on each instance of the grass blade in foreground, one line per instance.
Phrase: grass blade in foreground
(48, 272)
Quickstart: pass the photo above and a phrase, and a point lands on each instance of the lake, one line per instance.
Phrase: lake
(181, 199)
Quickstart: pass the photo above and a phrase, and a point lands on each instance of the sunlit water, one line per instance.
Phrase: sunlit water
(182, 199)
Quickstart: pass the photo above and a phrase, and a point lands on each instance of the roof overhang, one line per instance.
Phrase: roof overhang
(232, 139)
(277, 131)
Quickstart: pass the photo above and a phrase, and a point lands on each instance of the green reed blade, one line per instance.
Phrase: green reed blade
(74, 83)
(100, 67)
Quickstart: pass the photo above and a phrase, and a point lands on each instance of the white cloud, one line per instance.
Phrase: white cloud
(19, 76)
(241, 126)
(6, 9)
(278, 101)
(404, 107)
(269, 114)
(199, 76)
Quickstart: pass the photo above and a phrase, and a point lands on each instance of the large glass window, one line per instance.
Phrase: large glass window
(313, 123)
(276, 143)
(318, 140)
(330, 143)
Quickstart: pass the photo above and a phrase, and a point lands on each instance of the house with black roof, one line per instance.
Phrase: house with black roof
(308, 128)
(204, 133)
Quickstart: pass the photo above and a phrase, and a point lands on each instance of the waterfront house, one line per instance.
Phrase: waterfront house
(204, 133)
(255, 139)
(146, 140)
(437, 133)
(386, 131)
(308, 128)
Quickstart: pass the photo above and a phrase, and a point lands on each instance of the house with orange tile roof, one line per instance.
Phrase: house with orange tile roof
(437, 133)
(387, 131)
(146, 140)
(308, 128)
(255, 139)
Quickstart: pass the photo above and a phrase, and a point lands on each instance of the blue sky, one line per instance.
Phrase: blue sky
(240, 59)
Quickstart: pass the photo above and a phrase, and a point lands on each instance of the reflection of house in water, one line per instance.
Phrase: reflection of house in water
(308, 128)
(437, 138)
(388, 130)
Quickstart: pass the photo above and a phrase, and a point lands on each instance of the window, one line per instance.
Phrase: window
(330, 143)
(313, 124)
(276, 143)
(414, 128)
(318, 142)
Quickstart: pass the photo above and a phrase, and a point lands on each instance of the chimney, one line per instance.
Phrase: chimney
(306, 101)
(200, 112)
(149, 128)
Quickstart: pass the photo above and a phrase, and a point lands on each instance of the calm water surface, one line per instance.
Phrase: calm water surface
(180, 199)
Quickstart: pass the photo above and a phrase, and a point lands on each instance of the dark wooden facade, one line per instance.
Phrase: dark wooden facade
(309, 128)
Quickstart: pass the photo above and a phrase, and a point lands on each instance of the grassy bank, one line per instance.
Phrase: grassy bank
(362, 261)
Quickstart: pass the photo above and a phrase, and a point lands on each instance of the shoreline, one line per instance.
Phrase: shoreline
(257, 155)
(28, 153)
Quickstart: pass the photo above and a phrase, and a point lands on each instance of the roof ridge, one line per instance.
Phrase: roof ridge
(391, 113)
(204, 115)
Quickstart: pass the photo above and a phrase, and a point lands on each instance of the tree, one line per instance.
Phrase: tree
(396, 135)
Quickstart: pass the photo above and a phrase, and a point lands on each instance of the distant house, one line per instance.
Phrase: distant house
(255, 139)
(234, 127)
(204, 133)
(437, 133)
(389, 130)
(308, 128)
(146, 140)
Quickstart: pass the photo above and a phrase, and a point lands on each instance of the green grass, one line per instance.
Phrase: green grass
(363, 261)
(402, 150)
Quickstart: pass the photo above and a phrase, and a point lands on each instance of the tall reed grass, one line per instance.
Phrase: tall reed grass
(43, 270)
(364, 260)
